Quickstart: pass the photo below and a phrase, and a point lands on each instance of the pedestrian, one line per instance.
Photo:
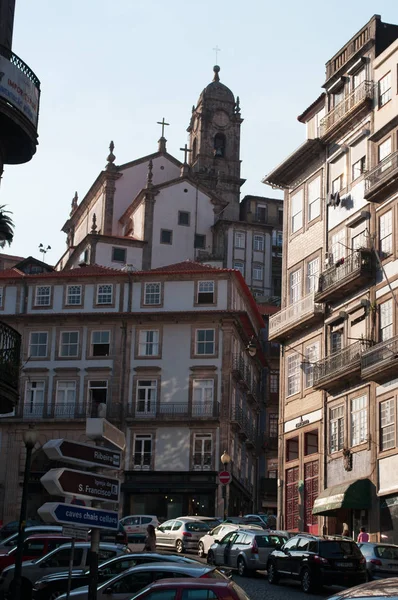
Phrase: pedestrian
(150, 540)
(346, 532)
(363, 536)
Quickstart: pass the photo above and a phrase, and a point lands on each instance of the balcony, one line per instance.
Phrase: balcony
(202, 461)
(174, 411)
(380, 362)
(296, 317)
(35, 411)
(382, 181)
(346, 276)
(340, 368)
(352, 108)
(142, 461)
(10, 355)
(244, 427)
(242, 373)
(19, 108)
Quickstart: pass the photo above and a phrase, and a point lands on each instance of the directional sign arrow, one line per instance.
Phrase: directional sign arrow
(82, 454)
(69, 514)
(87, 486)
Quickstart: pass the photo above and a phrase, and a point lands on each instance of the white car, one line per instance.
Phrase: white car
(136, 525)
(218, 533)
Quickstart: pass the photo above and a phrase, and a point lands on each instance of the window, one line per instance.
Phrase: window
(336, 341)
(69, 344)
(202, 452)
(384, 89)
(98, 392)
(386, 322)
(338, 245)
(205, 292)
(203, 395)
(336, 428)
(34, 399)
(274, 382)
(38, 344)
(100, 343)
(200, 241)
(205, 341)
(261, 214)
(239, 239)
(219, 145)
(360, 241)
(184, 218)
(148, 343)
(358, 168)
(146, 396)
(65, 399)
(312, 356)
(295, 286)
(258, 272)
(296, 207)
(258, 243)
(293, 374)
(312, 275)
(384, 152)
(387, 424)
(273, 425)
(310, 443)
(43, 295)
(239, 266)
(337, 184)
(119, 255)
(142, 451)
(292, 449)
(152, 293)
(314, 199)
(277, 239)
(166, 236)
(105, 294)
(338, 97)
(385, 227)
(74, 294)
(359, 420)
(358, 78)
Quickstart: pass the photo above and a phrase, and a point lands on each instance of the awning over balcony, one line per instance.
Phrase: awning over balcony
(355, 494)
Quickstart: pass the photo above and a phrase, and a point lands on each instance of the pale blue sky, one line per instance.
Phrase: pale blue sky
(111, 69)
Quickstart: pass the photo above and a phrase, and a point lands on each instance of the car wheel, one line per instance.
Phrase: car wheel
(210, 558)
(273, 577)
(201, 550)
(179, 546)
(307, 585)
(242, 569)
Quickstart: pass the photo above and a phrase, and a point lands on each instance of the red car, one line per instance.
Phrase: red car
(34, 547)
(187, 588)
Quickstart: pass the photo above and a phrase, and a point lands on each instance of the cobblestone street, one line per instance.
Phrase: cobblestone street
(258, 588)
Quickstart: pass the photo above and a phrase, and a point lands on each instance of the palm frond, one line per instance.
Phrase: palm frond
(6, 227)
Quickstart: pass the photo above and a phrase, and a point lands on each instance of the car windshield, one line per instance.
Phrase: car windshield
(196, 526)
(339, 548)
(265, 540)
(386, 552)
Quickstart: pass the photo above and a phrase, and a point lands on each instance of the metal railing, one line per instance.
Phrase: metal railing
(343, 268)
(381, 171)
(240, 367)
(35, 410)
(293, 313)
(364, 91)
(174, 410)
(247, 427)
(380, 353)
(339, 361)
(20, 64)
(10, 356)
(202, 461)
(142, 461)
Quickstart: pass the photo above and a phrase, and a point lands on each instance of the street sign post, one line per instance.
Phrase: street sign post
(76, 533)
(224, 477)
(84, 455)
(69, 514)
(80, 484)
(101, 429)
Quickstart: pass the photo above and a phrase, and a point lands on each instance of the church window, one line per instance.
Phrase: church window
(194, 149)
(74, 294)
(205, 292)
(105, 294)
(152, 293)
(184, 218)
(200, 241)
(43, 295)
(166, 236)
(219, 145)
(119, 255)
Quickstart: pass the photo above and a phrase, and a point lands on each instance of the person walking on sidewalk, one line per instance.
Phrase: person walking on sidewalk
(150, 540)
(363, 536)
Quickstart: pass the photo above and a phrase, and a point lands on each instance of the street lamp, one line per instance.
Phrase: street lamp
(251, 347)
(29, 438)
(225, 460)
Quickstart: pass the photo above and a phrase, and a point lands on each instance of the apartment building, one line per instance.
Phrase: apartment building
(163, 355)
(337, 428)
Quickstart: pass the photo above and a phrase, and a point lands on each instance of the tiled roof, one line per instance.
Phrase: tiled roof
(268, 309)
(12, 273)
(90, 270)
(187, 266)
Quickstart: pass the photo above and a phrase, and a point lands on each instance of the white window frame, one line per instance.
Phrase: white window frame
(274, 382)
(358, 168)
(143, 463)
(202, 397)
(148, 344)
(312, 355)
(239, 265)
(105, 293)
(202, 451)
(336, 428)
(258, 242)
(384, 87)
(337, 184)
(338, 245)
(240, 239)
(314, 198)
(97, 384)
(152, 293)
(205, 342)
(34, 399)
(73, 295)
(296, 208)
(359, 420)
(39, 345)
(383, 151)
(386, 234)
(147, 403)
(312, 275)
(293, 374)
(258, 272)
(295, 286)
(68, 344)
(387, 424)
(335, 336)
(43, 295)
(65, 398)
(386, 329)
(103, 333)
(205, 287)
(358, 78)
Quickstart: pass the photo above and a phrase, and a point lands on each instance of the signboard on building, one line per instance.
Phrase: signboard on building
(17, 89)
(69, 514)
(101, 429)
(80, 484)
(82, 454)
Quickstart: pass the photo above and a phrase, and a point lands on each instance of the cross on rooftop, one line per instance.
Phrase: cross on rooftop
(217, 50)
(162, 123)
(185, 150)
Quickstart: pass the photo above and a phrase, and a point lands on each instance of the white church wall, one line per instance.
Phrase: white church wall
(85, 222)
(139, 222)
(103, 256)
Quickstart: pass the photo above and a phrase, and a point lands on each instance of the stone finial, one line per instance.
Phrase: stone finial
(94, 224)
(111, 157)
(74, 203)
(237, 105)
(216, 70)
(149, 177)
(193, 108)
(162, 144)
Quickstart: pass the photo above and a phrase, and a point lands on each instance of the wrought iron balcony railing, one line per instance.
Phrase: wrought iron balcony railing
(10, 356)
(142, 461)
(20, 64)
(334, 366)
(202, 461)
(40, 410)
(246, 426)
(174, 410)
(345, 271)
(242, 371)
(381, 173)
(351, 102)
(380, 358)
(288, 317)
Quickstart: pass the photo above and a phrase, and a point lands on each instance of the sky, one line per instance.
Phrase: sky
(109, 70)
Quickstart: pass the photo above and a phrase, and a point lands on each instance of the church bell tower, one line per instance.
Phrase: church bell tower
(215, 143)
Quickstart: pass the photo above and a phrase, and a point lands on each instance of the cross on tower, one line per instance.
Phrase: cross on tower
(217, 50)
(162, 123)
(185, 150)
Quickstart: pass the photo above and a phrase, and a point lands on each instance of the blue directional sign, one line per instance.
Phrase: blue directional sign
(70, 514)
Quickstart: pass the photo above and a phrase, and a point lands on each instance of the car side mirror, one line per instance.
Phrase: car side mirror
(216, 541)
(108, 591)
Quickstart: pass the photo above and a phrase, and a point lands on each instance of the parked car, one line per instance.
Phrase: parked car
(185, 589)
(316, 561)
(374, 590)
(180, 534)
(210, 521)
(133, 580)
(50, 586)
(381, 560)
(55, 561)
(218, 533)
(136, 525)
(12, 527)
(268, 521)
(245, 549)
(34, 547)
(11, 541)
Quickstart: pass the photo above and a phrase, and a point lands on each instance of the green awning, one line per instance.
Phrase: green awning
(355, 494)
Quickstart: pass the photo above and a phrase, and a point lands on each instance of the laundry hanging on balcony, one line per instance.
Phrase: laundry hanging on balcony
(334, 199)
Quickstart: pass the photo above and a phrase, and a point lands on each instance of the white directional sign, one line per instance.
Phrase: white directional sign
(82, 454)
(81, 484)
(101, 429)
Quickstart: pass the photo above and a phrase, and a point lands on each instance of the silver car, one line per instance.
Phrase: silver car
(180, 534)
(128, 583)
(381, 560)
(247, 550)
(218, 533)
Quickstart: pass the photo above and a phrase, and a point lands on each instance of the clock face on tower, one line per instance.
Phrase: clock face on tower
(221, 118)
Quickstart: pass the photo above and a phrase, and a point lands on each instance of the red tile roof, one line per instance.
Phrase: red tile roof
(90, 270)
(187, 266)
(268, 309)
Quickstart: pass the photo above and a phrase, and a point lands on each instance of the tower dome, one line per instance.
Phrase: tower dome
(217, 90)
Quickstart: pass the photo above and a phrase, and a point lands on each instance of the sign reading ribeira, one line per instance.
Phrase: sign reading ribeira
(80, 484)
(82, 454)
(69, 514)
